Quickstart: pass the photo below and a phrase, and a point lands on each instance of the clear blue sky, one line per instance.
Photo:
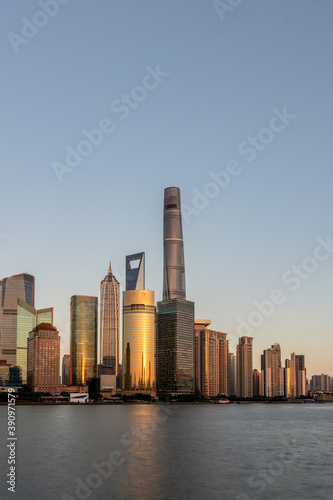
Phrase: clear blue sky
(222, 80)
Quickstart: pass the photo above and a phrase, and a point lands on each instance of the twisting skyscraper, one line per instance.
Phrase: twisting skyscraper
(109, 322)
(174, 270)
(175, 314)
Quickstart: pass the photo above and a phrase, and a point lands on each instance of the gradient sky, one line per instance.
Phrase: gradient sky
(225, 79)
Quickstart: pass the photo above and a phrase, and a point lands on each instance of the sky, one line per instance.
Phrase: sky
(104, 104)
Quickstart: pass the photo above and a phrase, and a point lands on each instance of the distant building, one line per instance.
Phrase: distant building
(135, 271)
(301, 381)
(27, 318)
(256, 383)
(232, 374)
(83, 339)
(272, 373)
(244, 367)
(109, 322)
(44, 359)
(320, 383)
(290, 377)
(66, 368)
(211, 360)
(22, 287)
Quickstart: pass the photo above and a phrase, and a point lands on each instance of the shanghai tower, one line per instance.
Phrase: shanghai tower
(174, 270)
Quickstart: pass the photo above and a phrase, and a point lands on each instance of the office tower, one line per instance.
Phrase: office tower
(301, 385)
(83, 339)
(244, 368)
(174, 270)
(232, 374)
(272, 374)
(20, 286)
(109, 322)
(175, 315)
(27, 318)
(135, 271)
(44, 359)
(290, 377)
(66, 368)
(256, 383)
(211, 360)
(139, 341)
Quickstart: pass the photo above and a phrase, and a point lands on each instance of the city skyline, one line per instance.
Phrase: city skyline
(224, 110)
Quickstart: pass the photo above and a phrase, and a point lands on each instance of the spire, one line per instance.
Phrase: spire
(110, 270)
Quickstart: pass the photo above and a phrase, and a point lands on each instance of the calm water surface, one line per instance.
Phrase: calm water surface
(238, 452)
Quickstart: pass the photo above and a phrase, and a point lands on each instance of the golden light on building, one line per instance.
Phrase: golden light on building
(139, 340)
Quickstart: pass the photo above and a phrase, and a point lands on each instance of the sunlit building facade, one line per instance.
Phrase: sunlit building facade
(43, 359)
(272, 373)
(245, 367)
(83, 339)
(27, 319)
(211, 360)
(22, 287)
(109, 322)
(139, 341)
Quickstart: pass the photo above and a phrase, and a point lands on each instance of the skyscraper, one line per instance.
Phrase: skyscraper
(109, 322)
(83, 339)
(290, 377)
(174, 268)
(272, 374)
(232, 374)
(135, 271)
(175, 315)
(301, 385)
(211, 360)
(244, 367)
(27, 319)
(44, 359)
(139, 340)
(20, 286)
(66, 369)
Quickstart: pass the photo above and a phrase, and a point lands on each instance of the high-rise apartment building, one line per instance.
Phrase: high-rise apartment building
(256, 383)
(175, 315)
(272, 373)
(44, 359)
(301, 383)
(321, 383)
(290, 377)
(244, 367)
(232, 374)
(27, 319)
(66, 369)
(109, 322)
(83, 339)
(22, 287)
(211, 360)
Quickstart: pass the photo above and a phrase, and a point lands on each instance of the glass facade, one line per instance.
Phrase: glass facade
(175, 346)
(139, 340)
(109, 322)
(174, 268)
(22, 287)
(83, 339)
(27, 319)
(135, 271)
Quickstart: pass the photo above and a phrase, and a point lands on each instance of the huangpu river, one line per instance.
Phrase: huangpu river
(190, 451)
